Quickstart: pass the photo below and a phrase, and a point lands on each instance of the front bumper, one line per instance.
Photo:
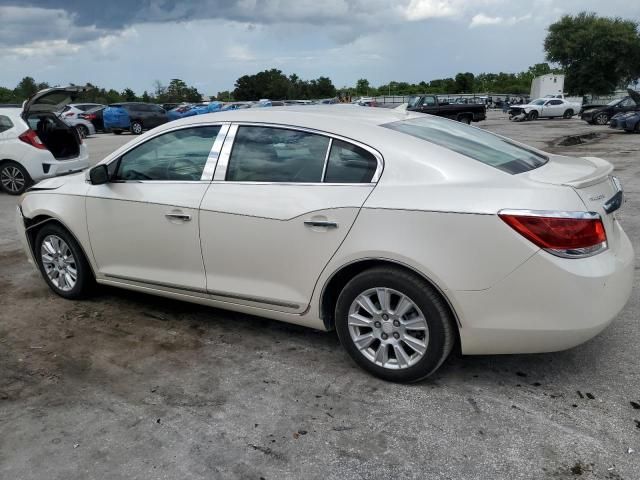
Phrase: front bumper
(22, 234)
(548, 303)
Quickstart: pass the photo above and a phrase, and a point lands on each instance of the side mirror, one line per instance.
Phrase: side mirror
(99, 175)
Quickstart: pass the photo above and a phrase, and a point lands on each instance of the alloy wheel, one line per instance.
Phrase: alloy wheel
(388, 328)
(12, 179)
(137, 128)
(602, 119)
(59, 263)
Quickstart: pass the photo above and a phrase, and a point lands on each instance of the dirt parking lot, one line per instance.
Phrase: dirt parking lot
(129, 386)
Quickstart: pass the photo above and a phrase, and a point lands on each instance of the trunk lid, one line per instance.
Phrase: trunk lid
(591, 179)
(51, 99)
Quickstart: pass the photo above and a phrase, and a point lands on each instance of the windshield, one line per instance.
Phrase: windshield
(614, 102)
(538, 102)
(414, 101)
(472, 142)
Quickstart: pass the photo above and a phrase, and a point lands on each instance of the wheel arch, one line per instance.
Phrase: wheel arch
(338, 279)
(33, 226)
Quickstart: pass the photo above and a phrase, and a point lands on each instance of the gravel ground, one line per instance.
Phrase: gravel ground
(129, 386)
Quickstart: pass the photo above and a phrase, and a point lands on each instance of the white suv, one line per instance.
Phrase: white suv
(36, 144)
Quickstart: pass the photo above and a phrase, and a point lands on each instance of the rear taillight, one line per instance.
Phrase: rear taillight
(32, 139)
(88, 116)
(565, 234)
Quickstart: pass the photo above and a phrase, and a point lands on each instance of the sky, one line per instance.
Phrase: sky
(210, 43)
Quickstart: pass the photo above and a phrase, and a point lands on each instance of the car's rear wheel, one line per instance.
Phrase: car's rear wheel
(136, 128)
(602, 119)
(62, 262)
(14, 178)
(82, 131)
(394, 324)
(533, 115)
(568, 114)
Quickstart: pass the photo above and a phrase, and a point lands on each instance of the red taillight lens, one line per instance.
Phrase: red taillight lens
(567, 234)
(32, 139)
(88, 116)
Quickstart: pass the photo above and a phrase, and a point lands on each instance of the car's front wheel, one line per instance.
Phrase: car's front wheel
(394, 324)
(602, 119)
(533, 115)
(14, 178)
(62, 262)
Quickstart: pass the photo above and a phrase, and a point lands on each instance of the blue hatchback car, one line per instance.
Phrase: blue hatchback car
(133, 116)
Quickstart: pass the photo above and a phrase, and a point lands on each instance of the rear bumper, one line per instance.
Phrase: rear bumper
(64, 167)
(548, 303)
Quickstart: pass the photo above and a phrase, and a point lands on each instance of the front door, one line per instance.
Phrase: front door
(281, 203)
(143, 224)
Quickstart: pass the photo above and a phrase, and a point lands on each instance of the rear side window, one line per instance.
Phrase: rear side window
(179, 156)
(472, 142)
(5, 123)
(266, 154)
(349, 164)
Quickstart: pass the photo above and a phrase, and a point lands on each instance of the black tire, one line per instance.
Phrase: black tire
(465, 119)
(568, 114)
(117, 132)
(601, 119)
(440, 321)
(533, 115)
(136, 127)
(85, 280)
(83, 131)
(14, 178)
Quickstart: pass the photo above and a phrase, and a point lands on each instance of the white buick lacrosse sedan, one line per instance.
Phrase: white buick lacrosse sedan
(406, 233)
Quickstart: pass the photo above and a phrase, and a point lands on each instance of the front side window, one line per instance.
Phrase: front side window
(268, 154)
(179, 156)
(349, 164)
(472, 142)
(5, 123)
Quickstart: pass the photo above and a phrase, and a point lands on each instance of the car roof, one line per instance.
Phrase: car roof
(321, 117)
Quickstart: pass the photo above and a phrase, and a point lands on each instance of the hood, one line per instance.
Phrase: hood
(52, 99)
(634, 95)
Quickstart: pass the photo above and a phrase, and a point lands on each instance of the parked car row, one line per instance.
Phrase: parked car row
(602, 114)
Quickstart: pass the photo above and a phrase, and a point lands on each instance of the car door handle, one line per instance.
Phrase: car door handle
(320, 223)
(178, 216)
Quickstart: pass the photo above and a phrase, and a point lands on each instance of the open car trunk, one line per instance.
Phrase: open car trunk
(39, 112)
(60, 139)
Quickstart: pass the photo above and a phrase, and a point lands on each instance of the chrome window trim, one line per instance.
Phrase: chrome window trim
(214, 154)
(169, 130)
(551, 214)
(223, 161)
(225, 153)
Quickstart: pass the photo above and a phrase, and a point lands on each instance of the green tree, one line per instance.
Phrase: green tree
(145, 97)
(598, 54)
(464, 82)
(362, 86)
(25, 88)
(129, 95)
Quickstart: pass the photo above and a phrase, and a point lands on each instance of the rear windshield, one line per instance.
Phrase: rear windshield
(472, 142)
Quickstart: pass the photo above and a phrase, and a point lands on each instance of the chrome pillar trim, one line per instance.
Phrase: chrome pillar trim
(326, 160)
(212, 159)
(225, 153)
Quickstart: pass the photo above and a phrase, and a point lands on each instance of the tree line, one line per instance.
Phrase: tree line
(176, 91)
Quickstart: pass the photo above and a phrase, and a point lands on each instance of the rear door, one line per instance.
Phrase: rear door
(282, 201)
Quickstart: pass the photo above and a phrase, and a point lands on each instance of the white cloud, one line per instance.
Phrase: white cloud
(481, 20)
(239, 52)
(424, 9)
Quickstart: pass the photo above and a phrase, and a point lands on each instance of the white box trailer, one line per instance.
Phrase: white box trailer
(544, 85)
